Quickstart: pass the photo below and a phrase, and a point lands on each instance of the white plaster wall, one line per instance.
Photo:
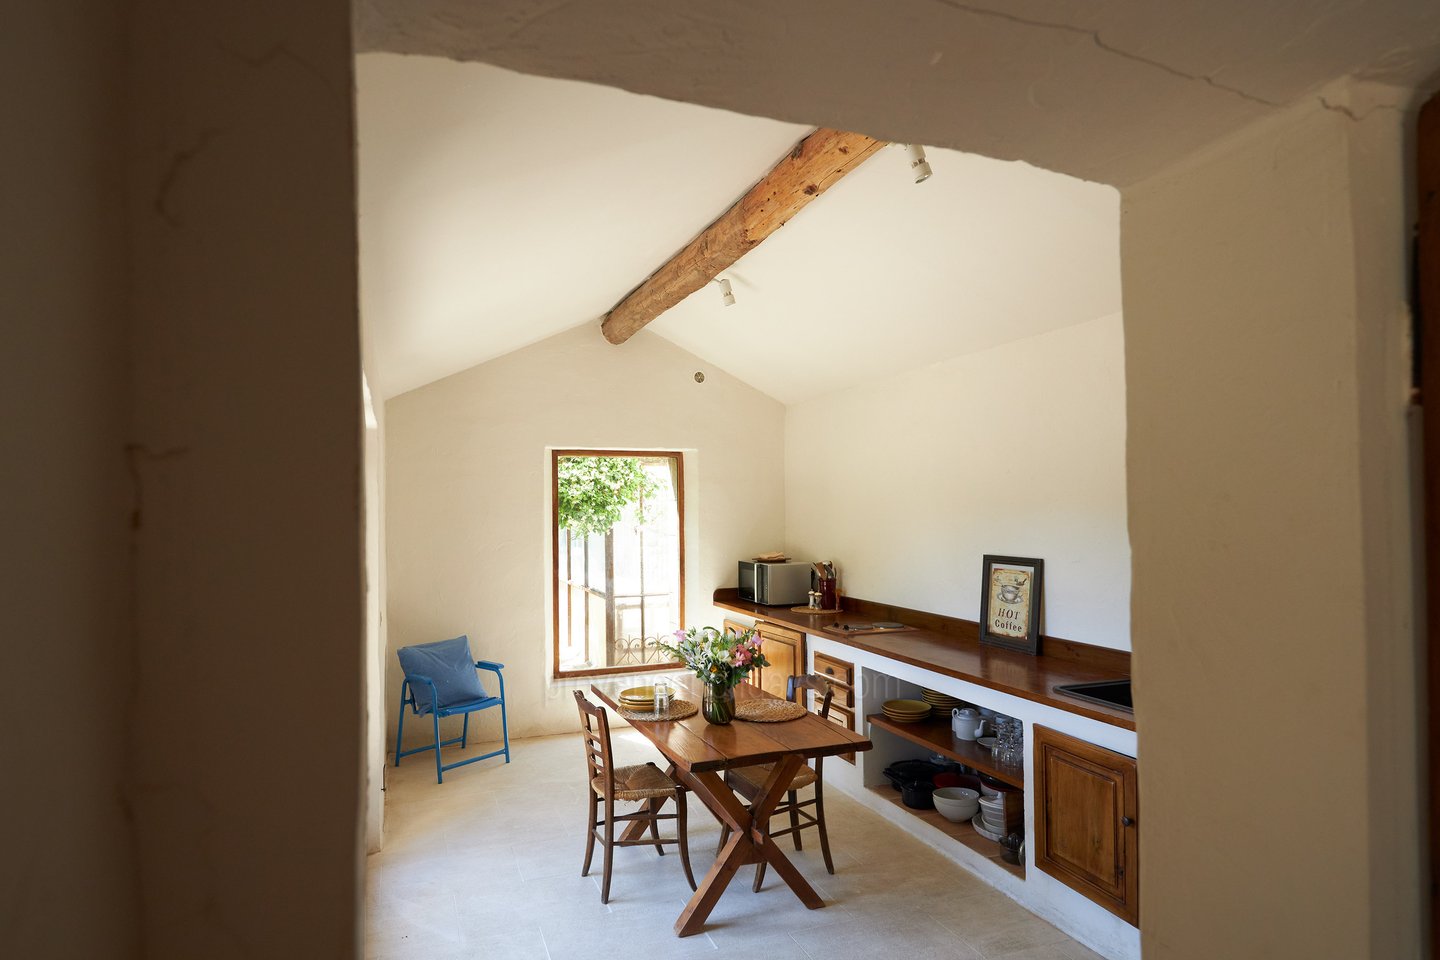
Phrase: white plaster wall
(375, 652)
(907, 482)
(468, 496)
(1265, 343)
(247, 720)
(68, 865)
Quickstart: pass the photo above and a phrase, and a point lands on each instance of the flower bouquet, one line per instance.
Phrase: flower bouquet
(721, 659)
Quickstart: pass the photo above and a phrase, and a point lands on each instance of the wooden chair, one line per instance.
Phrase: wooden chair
(644, 782)
(747, 782)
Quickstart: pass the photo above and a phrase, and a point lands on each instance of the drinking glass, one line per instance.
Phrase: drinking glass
(664, 694)
(1009, 733)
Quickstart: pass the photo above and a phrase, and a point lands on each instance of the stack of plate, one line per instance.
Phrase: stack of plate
(638, 699)
(984, 829)
(942, 702)
(906, 711)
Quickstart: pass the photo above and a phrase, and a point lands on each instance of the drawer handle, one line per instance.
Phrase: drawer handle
(1126, 821)
(830, 670)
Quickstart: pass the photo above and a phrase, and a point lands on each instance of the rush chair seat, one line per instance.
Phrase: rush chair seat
(609, 784)
(441, 680)
(748, 781)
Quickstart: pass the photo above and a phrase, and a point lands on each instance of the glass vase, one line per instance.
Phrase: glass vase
(718, 704)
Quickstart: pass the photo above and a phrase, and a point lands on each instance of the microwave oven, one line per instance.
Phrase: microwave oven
(775, 584)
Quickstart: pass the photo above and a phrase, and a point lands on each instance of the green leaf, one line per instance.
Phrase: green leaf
(594, 491)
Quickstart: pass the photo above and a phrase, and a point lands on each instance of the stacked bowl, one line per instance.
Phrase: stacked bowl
(992, 812)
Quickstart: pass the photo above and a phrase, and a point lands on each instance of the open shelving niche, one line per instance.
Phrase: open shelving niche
(919, 740)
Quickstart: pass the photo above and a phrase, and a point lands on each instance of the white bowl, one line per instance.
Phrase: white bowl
(995, 804)
(956, 803)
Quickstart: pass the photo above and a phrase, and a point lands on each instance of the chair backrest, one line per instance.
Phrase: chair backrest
(449, 664)
(822, 687)
(814, 682)
(595, 729)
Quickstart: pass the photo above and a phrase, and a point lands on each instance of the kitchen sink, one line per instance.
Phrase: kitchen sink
(1112, 693)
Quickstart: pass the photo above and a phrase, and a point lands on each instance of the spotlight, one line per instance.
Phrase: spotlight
(918, 164)
(725, 293)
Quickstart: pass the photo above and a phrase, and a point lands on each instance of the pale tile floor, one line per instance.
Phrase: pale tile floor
(487, 865)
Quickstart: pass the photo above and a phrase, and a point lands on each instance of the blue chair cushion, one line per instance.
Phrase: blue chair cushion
(449, 664)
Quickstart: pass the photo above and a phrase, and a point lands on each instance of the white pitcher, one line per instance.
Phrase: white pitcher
(966, 724)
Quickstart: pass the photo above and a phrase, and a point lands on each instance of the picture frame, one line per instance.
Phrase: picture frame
(1011, 597)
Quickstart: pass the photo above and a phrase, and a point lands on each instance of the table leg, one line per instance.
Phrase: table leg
(748, 842)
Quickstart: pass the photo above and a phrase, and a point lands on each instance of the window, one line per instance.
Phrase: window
(619, 545)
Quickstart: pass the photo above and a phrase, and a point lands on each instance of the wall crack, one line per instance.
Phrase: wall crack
(1349, 112)
(276, 54)
(1094, 37)
(179, 160)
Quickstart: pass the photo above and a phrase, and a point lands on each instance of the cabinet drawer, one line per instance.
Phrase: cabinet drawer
(842, 697)
(842, 718)
(779, 632)
(837, 670)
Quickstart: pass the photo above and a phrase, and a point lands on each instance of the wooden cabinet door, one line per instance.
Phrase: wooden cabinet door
(732, 626)
(1087, 821)
(785, 649)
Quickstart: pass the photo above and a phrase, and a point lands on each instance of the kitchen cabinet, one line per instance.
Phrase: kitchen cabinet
(785, 649)
(1087, 820)
(944, 654)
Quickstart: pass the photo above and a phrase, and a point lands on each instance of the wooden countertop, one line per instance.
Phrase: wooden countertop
(952, 647)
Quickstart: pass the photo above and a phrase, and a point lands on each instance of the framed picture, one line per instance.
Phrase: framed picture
(1010, 595)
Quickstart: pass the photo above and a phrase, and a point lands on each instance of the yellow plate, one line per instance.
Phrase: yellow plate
(638, 693)
(906, 706)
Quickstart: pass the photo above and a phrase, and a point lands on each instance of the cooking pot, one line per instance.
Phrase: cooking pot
(902, 770)
(917, 794)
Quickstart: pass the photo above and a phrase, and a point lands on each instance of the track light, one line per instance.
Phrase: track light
(918, 164)
(725, 293)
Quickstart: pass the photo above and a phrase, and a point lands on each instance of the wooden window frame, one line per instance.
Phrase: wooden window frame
(556, 672)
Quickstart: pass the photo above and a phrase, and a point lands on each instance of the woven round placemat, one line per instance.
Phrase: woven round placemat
(766, 710)
(679, 710)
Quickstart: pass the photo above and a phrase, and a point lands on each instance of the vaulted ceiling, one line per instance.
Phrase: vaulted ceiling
(498, 209)
(467, 174)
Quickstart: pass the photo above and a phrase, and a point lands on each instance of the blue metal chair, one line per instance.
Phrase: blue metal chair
(441, 680)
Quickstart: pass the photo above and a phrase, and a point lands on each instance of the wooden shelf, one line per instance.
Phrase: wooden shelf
(963, 833)
(934, 734)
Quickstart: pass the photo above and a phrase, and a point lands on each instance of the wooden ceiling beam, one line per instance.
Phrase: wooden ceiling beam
(814, 166)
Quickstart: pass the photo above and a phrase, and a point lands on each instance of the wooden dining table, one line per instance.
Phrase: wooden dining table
(699, 752)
